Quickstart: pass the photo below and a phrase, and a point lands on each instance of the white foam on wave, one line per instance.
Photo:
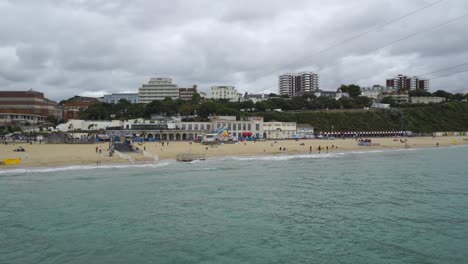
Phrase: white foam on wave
(82, 167)
(282, 157)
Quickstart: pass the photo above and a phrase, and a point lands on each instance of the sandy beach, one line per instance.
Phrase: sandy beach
(61, 155)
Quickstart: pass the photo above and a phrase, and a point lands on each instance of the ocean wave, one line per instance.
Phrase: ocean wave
(82, 167)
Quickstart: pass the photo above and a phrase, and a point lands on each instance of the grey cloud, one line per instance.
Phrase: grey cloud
(70, 47)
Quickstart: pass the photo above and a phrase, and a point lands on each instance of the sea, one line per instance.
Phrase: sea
(394, 206)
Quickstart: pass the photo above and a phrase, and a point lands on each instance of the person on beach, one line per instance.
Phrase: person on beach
(97, 149)
(310, 150)
(281, 148)
(327, 149)
(162, 142)
(319, 149)
(100, 149)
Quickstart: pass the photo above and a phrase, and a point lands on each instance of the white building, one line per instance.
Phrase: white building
(380, 106)
(304, 131)
(279, 130)
(291, 84)
(116, 97)
(376, 90)
(426, 99)
(225, 92)
(255, 97)
(158, 89)
(331, 94)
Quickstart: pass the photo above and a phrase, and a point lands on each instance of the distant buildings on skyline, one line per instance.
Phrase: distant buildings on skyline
(114, 98)
(403, 83)
(294, 84)
(225, 92)
(158, 89)
(32, 107)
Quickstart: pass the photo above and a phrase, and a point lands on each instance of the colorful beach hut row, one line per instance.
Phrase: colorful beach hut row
(350, 134)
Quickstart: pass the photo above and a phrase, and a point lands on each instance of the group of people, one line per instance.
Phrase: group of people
(320, 148)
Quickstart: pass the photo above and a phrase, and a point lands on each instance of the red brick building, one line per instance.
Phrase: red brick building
(26, 107)
(187, 93)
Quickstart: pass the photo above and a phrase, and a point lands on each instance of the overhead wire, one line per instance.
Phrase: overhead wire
(453, 73)
(411, 35)
(342, 42)
(373, 29)
(444, 69)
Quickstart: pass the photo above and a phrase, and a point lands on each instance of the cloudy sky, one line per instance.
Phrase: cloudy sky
(70, 47)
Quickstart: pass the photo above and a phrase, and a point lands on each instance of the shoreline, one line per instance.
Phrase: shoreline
(51, 156)
(162, 163)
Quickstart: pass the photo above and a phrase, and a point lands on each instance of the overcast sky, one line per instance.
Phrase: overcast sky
(78, 47)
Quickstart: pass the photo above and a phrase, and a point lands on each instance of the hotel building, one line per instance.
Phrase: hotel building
(158, 89)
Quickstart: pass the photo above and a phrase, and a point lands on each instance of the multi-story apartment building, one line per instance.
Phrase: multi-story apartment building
(22, 107)
(402, 83)
(225, 92)
(187, 93)
(157, 89)
(293, 84)
(116, 97)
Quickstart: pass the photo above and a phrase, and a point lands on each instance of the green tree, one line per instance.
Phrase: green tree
(353, 90)
(363, 101)
(389, 100)
(442, 93)
(419, 92)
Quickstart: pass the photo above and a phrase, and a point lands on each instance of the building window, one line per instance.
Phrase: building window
(249, 127)
(244, 128)
(239, 128)
(202, 127)
(183, 126)
(208, 127)
(257, 127)
(196, 126)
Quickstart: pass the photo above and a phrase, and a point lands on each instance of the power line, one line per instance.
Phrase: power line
(373, 29)
(453, 73)
(413, 34)
(422, 31)
(366, 32)
(444, 69)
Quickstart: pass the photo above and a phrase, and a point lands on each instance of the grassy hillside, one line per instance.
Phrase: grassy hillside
(430, 118)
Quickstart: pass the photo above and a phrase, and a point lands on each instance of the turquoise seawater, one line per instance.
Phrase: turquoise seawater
(407, 206)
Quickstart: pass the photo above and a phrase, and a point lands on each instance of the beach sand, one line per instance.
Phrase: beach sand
(61, 154)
